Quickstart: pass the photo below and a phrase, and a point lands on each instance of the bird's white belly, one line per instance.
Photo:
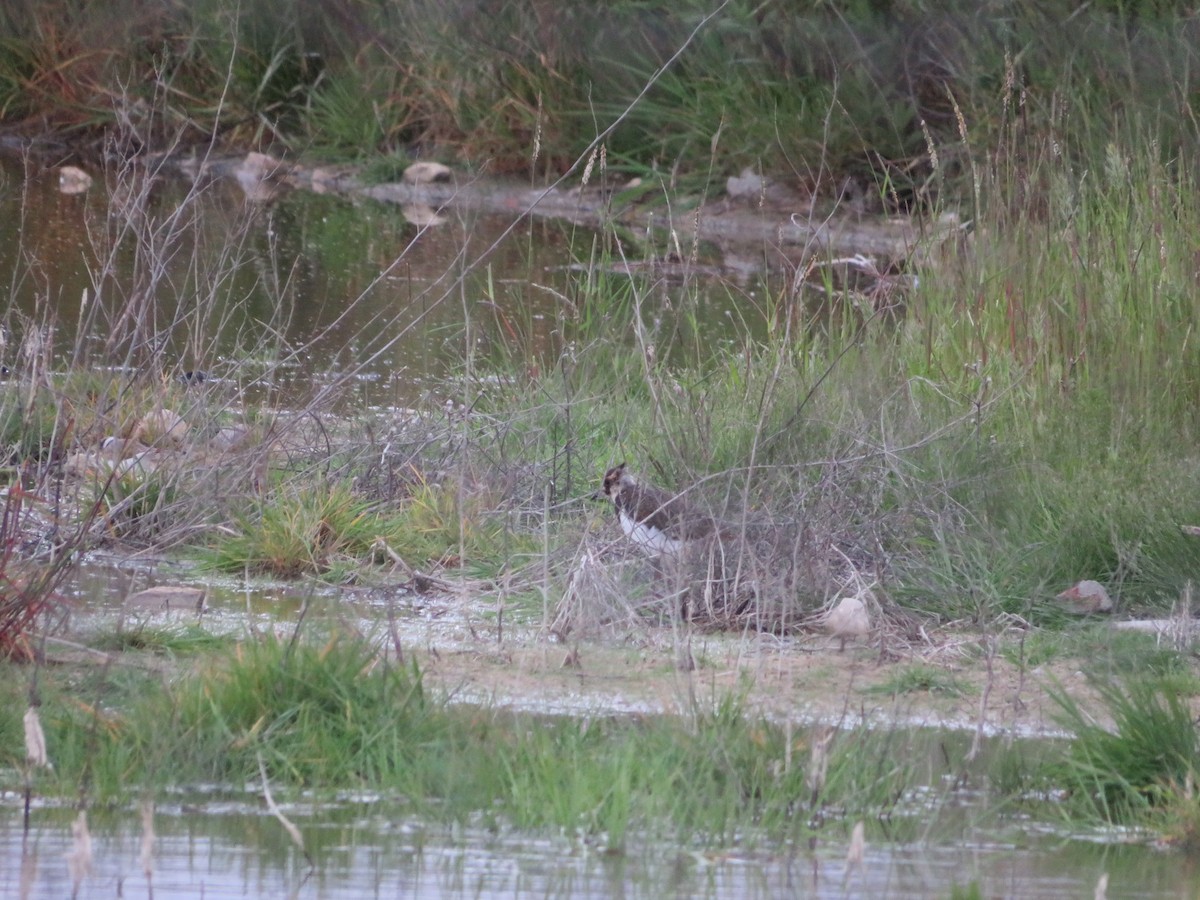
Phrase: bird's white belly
(647, 537)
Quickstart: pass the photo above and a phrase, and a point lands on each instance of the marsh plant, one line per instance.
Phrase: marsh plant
(951, 438)
(830, 96)
(1011, 416)
(1142, 769)
(325, 712)
(36, 555)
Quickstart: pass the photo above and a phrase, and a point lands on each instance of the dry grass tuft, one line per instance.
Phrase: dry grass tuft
(761, 572)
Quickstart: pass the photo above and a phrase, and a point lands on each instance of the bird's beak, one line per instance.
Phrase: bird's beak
(597, 494)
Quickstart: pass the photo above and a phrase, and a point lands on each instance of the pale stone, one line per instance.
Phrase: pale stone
(258, 175)
(141, 465)
(325, 179)
(260, 165)
(426, 173)
(421, 215)
(82, 464)
(231, 437)
(748, 184)
(112, 454)
(73, 180)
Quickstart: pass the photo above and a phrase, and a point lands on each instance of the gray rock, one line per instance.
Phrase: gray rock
(426, 173)
(747, 185)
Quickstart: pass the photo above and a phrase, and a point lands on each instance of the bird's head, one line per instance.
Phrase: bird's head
(614, 480)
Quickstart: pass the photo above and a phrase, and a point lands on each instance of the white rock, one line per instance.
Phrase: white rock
(426, 173)
(258, 176)
(231, 437)
(73, 180)
(748, 184)
(421, 215)
(261, 165)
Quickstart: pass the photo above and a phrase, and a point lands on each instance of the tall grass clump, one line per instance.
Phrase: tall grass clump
(706, 776)
(313, 527)
(310, 530)
(332, 714)
(1142, 769)
(328, 713)
(1068, 318)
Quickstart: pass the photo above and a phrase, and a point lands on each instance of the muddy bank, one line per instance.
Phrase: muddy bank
(747, 215)
(943, 679)
(803, 679)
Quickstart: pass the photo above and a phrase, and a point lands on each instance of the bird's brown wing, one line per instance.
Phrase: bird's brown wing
(671, 515)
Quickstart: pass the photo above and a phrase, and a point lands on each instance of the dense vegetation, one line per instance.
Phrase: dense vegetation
(877, 93)
(1020, 415)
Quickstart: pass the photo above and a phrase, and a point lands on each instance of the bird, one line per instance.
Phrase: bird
(655, 521)
(1085, 598)
(848, 619)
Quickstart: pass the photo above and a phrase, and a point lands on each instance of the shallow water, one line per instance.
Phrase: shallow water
(212, 846)
(283, 298)
(223, 842)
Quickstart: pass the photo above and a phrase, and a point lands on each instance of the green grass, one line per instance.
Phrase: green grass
(162, 640)
(1049, 644)
(1103, 653)
(306, 531)
(916, 679)
(333, 715)
(326, 529)
(1145, 764)
(385, 169)
(1126, 654)
(817, 94)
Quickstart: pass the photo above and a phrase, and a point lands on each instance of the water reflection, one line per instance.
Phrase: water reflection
(221, 841)
(282, 298)
(218, 847)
